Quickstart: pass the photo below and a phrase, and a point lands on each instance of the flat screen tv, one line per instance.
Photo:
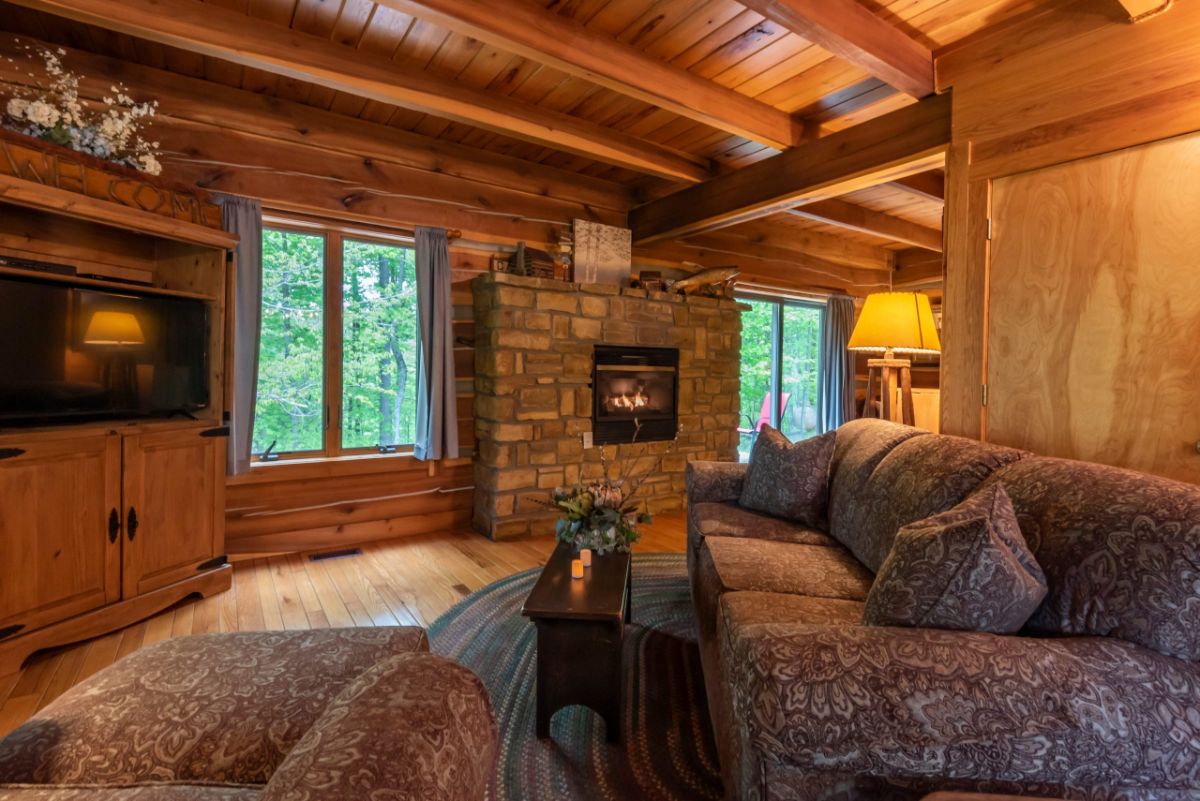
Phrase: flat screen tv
(74, 353)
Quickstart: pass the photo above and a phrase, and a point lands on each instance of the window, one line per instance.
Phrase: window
(337, 354)
(781, 368)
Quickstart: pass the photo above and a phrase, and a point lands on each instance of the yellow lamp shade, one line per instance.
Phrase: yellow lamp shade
(114, 328)
(896, 321)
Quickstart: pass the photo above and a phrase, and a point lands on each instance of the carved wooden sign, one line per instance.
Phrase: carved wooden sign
(40, 162)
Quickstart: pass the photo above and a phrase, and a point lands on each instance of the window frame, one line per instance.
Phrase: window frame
(778, 304)
(333, 236)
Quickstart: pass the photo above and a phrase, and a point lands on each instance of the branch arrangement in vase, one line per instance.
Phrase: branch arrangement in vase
(51, 110)
(604, 514)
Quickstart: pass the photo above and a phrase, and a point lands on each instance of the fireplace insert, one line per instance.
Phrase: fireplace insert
(634, 394)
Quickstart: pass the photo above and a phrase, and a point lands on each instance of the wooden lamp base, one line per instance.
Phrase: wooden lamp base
(884, 375)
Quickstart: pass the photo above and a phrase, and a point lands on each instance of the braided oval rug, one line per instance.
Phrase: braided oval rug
(666, 750)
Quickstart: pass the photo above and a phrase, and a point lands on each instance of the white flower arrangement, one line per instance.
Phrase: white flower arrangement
(55, 114)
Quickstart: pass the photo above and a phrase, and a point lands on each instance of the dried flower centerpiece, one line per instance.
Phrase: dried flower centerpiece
(53, 112)
(603, 514)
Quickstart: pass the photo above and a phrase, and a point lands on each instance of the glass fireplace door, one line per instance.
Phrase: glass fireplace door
(634, 394)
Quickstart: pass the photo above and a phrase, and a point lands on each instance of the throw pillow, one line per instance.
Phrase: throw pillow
(789, 480)
(967, 568)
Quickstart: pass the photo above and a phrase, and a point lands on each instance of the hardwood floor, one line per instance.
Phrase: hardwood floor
(404, 581)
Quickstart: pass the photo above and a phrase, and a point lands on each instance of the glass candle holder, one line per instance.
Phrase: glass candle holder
(576, 568)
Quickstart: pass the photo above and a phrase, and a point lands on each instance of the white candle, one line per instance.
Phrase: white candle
(576, 568)
(585, 556)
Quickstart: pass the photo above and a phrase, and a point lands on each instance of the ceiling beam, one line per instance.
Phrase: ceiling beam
(198, 100)
(830, 247)
(548, 38)
(911, 140)
(926, 185)
(916, 267)
(850, 31)
(853, 217)
(232, 36)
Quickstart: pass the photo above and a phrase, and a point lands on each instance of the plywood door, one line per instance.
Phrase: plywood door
(58, 557)
(1094, 310)
(174, 506)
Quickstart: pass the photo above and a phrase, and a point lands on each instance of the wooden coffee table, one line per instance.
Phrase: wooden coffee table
(580, 633)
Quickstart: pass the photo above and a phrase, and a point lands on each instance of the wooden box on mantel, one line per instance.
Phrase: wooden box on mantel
(105, 523)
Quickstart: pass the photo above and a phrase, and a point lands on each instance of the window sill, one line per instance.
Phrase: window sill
(327, 467)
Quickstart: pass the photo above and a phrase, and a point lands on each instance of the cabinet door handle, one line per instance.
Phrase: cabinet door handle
(114, 525)
(131, 523)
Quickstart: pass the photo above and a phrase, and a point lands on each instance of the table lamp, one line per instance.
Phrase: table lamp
(892, 322)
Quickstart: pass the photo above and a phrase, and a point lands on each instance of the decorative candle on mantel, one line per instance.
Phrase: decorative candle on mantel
(576, 568)
(585, 556)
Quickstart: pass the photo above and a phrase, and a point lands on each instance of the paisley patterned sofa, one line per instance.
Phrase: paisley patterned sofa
(329, 715)
(1098, 697)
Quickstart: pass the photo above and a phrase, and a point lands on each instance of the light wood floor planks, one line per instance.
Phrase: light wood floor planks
(405, 581)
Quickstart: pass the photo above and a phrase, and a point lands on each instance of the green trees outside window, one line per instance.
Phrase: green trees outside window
(337, 354)
(379, 345)
(780, 368)
(290, 409)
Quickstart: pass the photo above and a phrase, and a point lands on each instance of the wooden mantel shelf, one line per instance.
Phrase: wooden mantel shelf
(33, 195)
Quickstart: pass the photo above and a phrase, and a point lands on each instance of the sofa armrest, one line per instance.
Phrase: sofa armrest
(714, 482)
(413, 726)
(865, 700)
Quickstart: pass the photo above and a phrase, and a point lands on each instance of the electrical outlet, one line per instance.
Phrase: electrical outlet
(587, 439)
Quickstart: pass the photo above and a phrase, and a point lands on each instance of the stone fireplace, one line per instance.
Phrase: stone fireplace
(557, 363)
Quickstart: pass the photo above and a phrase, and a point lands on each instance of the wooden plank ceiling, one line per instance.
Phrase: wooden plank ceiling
(645, 96)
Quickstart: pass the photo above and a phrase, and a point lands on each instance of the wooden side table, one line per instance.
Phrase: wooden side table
(885, 375)
(580, 636)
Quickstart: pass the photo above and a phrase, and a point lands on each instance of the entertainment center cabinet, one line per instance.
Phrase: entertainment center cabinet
(107, 522)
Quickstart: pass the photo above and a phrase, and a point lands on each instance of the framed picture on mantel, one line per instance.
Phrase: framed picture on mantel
(603, 253)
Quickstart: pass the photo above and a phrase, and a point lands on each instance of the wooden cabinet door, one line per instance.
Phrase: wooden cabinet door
(174, 493)
(58, 555)
(1095, 307)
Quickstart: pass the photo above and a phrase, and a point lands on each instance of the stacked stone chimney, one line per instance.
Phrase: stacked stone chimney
(534, 340)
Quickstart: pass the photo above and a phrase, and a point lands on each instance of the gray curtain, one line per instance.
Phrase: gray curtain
(437, 420)
(243, 216)
(837, 365)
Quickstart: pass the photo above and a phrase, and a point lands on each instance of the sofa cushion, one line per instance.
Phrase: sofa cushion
(959, 706)
(789, 479)
(1120, 550)
(731, 564)
(735, 563)
(968, 568)
(136, 792)
(731, 520)
(877, 488)
(413, 726)
(751, 608)
(860, 446)
(164, 713)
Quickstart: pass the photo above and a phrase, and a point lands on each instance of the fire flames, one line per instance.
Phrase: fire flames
(638, 400)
